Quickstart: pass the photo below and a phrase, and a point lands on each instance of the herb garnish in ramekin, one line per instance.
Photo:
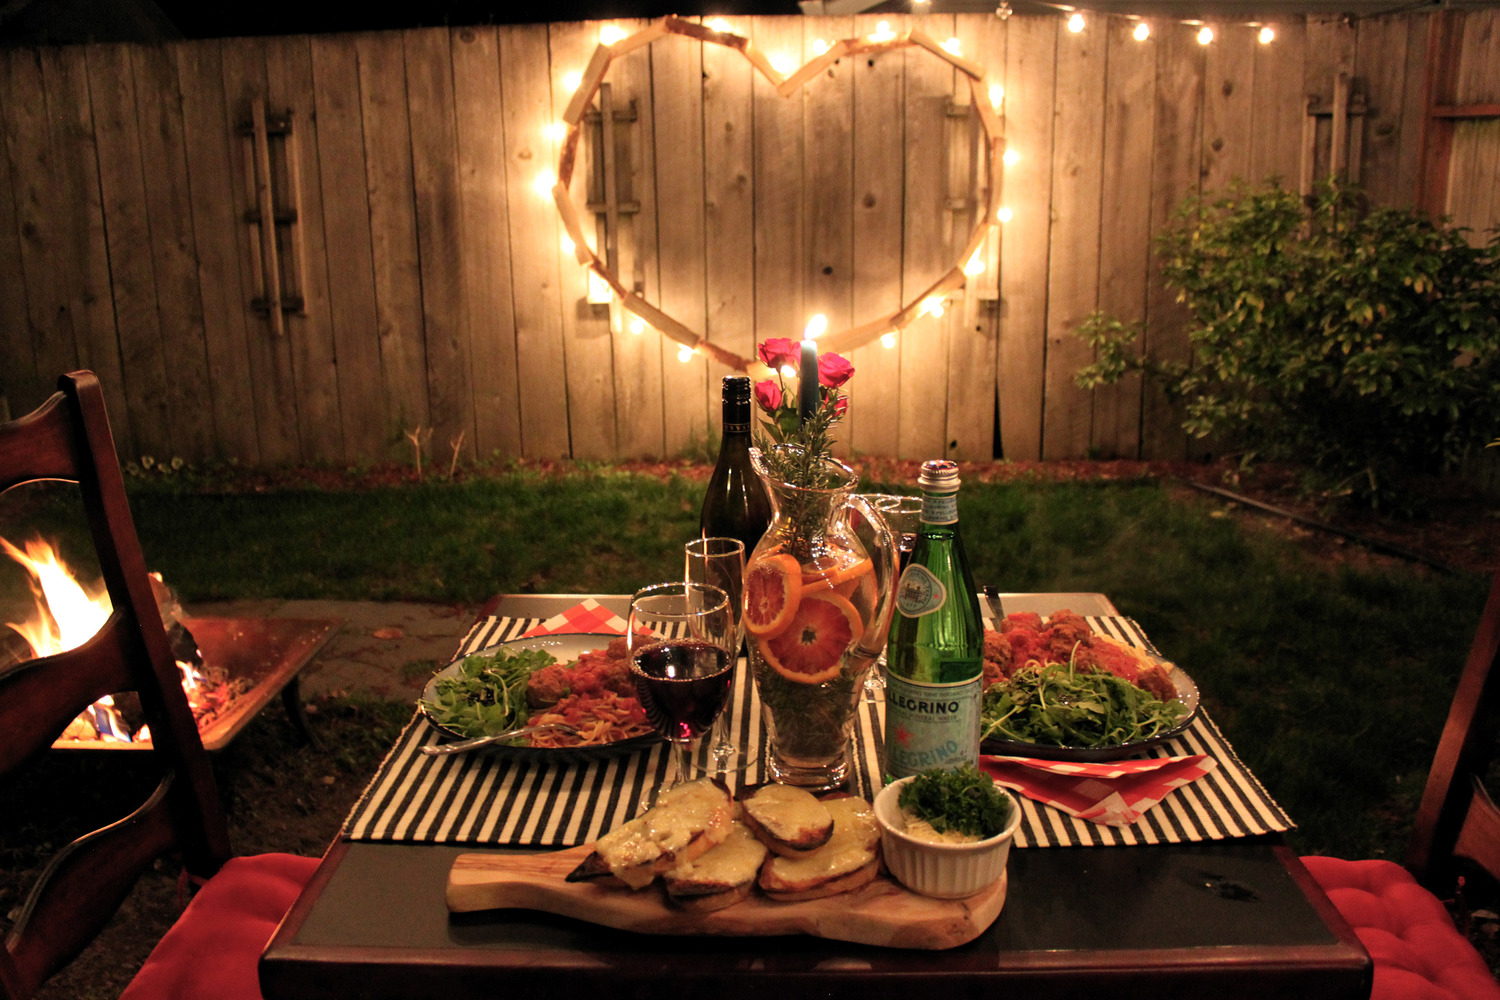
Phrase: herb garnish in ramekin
(963, 800)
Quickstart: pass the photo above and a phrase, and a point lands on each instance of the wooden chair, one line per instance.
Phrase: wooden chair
(1397, 911)
(234, 914)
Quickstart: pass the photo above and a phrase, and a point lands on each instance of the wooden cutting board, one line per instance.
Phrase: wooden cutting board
(882, 913)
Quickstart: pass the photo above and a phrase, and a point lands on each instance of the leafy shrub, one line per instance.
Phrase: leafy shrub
(1362, 343)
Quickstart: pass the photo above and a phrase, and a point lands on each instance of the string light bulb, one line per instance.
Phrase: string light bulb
(637, 326)
(883, 32)
(610, 34)
(685, 353)
(567, 244)
(1142, 31)
(1004, 214)
(722, 26)
(819, 46)
(782, 63)
(544, 183)
(1075, 22)
(933, 305)
(572, 80)
(997, 96)
(975, 264)
(556, 131)
(1011, 158)
(1267, 34)
(1205, 35)
(888, 340)
(953, 47)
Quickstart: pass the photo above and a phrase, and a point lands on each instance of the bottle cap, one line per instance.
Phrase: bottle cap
(737, 388)
(939, 476)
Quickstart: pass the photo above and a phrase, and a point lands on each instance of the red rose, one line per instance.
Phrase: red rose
(768, 394)
(840, 405)
(779, 351)
(833, 371)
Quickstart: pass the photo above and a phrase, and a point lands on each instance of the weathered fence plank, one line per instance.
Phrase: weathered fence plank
(972, 352)
(486, 284)
(928, 223)
(1381, 65)
(1125, 224)
(779, 155)
(393, 236)
(1280, 106)
(217, 231)
(341, 175)
(877, 120)
(127, 227)
(440, 238)
(289, 86)
(272, 375)
(1073, 272)
(638, 356)
(534, 235)
(1030, 80)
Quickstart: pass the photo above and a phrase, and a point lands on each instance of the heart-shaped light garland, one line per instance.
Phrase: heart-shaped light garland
(786, 85)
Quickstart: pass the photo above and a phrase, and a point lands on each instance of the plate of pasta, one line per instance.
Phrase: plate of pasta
(582, 679)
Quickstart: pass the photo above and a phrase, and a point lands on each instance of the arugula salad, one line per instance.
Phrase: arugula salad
(488, 694)
(1054, 704)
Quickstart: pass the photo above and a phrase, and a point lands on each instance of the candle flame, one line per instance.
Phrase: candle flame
(816, 327)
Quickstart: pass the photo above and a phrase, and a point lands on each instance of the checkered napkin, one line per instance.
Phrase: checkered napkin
(1113, 794)
(584, 617)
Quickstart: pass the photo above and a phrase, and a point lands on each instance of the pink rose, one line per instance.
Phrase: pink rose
(779, 351)
(833, 371)
(768, 395)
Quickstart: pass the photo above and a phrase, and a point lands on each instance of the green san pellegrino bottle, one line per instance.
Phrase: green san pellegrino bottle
(935, 652)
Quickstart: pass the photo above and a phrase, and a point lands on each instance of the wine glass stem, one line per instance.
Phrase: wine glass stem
(681, 767)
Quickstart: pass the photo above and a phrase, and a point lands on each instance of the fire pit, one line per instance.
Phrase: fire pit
(231, 667)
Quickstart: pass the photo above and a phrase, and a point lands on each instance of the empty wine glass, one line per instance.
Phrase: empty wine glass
(681, 638)
(903, 516)
(721, 562)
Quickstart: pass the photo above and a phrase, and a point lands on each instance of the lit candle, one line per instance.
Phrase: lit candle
(807, 390)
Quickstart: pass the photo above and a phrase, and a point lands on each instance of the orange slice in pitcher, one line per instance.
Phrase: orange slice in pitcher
(773, 590)
(811, 649)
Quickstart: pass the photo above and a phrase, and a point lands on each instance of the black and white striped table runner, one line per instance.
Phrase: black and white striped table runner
(488, 799)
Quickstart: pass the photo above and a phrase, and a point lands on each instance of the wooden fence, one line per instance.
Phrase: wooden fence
(308, 248)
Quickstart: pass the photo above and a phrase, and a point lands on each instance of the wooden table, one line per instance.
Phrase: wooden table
(1227, 919)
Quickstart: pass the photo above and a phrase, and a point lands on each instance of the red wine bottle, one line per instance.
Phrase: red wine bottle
(736, 505)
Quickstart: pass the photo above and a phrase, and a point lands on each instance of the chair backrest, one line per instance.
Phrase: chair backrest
(1456, 818)
(68, 438)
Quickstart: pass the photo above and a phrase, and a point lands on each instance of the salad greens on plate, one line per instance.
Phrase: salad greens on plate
(488, 692)
(1055, 705)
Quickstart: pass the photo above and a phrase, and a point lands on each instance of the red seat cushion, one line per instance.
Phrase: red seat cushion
(1418, 953)
(213, 950)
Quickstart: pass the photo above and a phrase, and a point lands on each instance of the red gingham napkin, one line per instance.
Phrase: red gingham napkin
(584, 617)
(1116, 793)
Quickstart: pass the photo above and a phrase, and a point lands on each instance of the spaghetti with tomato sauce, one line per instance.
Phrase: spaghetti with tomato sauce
(594, 694)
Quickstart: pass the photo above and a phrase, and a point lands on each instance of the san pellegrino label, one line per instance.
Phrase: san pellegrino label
(930, 725)
(919, 592)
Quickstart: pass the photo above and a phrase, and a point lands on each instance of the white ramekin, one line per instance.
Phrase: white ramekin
(943, 871)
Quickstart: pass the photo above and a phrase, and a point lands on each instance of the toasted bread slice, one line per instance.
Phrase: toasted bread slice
(856, 879)
(850, 858)
(790, 821)
(721, 877)
(686, 822)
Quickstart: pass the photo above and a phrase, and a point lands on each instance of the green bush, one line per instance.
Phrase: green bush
(1360, 343)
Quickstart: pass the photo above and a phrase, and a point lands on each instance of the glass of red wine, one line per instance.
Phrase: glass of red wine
(721, 562)
(681, 638)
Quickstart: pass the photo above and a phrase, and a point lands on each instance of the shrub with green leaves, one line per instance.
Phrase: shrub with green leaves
(1362, 343)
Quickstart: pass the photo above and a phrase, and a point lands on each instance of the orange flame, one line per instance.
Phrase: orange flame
(68, 615)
